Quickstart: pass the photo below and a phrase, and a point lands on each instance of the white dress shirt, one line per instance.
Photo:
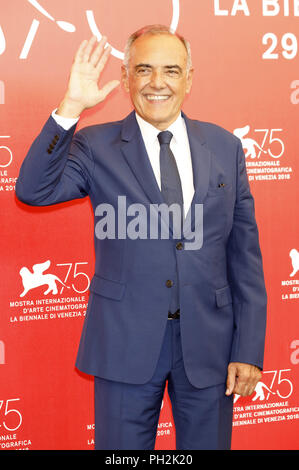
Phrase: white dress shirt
(179, 146)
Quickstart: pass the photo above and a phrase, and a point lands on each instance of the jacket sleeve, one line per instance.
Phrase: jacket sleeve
(245, 275)
(57, 168)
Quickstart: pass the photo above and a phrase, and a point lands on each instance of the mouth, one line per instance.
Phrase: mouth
(156, 98)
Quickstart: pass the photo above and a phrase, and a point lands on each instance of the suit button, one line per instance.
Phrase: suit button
(169, 283)
(49, 150)
(179, 246)
(56, 137)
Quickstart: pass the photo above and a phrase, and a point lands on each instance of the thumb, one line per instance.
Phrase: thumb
(104, 92)
(231, 379)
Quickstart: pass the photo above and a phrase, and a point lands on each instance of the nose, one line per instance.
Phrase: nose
(157, 79)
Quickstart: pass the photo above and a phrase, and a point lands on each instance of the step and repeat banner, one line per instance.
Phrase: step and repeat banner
(245, 55)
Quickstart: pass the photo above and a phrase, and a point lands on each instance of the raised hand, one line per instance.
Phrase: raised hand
(83, 90)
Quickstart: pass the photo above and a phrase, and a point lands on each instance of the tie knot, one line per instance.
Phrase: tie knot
(165, 137)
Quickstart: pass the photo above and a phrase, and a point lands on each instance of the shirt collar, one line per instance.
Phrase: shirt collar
(150, 132)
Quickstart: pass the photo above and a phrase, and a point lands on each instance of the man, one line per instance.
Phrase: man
(159, 310)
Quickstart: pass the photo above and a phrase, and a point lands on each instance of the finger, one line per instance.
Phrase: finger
(80, 52)
(251, 391)
(253, 381)
(243, 390)
(248, 391)
(241, 386)
(230, 381)
(245, 387)
(88, 48)
(97, 53)
(103, 59)
(108, 88)
(252, 386)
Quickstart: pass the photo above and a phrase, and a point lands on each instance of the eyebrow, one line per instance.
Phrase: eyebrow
(173, 67)
(143, 65)
(165, 66)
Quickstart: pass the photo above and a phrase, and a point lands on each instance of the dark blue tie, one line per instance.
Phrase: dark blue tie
(171, 187)
(171, 190)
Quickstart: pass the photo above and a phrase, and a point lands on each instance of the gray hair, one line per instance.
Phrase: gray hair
(155, 29)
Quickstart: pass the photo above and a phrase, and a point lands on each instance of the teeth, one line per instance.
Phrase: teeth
(157, 97)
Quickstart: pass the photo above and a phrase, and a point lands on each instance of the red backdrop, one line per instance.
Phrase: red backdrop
(245, 56)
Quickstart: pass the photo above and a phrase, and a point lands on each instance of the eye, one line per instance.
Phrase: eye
(141, 72)
(173, 73)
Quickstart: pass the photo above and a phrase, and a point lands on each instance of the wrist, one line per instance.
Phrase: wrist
(69, 109)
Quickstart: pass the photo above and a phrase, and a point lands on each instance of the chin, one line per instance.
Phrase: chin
(157, 118)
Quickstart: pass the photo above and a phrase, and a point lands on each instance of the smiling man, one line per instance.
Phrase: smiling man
(158, 313)
(158, 75)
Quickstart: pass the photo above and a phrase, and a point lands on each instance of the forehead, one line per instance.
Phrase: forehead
(158, 49)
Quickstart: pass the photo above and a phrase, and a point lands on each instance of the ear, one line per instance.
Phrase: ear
(124, 78)
(189, 80)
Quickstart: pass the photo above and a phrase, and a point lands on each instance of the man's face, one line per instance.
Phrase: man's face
(157, 78)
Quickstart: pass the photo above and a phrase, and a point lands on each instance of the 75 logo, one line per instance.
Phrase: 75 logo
(278, 385)
(10, 417)
(271, 144)
(38, 277)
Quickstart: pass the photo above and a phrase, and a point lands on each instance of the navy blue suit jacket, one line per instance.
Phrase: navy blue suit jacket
(222, 291)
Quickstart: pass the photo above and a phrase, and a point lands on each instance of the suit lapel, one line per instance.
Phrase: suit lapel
(201, 164)
(135, 153)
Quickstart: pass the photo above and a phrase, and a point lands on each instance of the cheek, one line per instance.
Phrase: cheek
(178, 90)
(136, 85)
(135, 93)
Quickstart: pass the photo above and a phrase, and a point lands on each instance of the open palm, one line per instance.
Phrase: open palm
(83, 89)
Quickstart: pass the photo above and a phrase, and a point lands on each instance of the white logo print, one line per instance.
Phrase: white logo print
(38, 278)
(115, 52)
(247, 142)
(294, 255)
(62, 24)
(259, 392)
(70, 28)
